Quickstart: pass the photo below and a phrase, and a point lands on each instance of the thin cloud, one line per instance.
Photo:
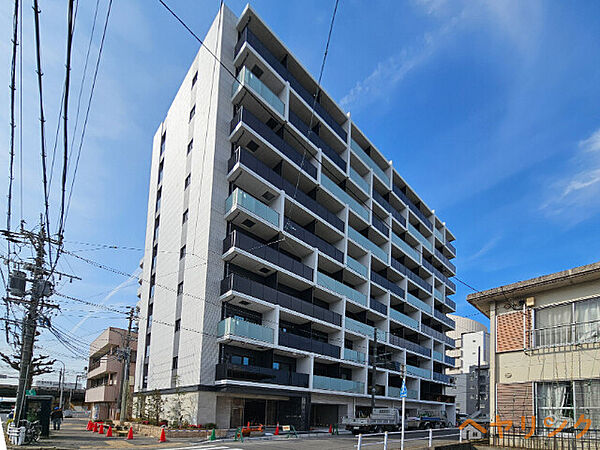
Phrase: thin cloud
(485, 249)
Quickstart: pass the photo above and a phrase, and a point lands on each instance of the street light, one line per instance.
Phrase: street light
(61, 378)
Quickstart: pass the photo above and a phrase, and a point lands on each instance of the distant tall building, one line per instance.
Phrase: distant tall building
(280, 244)
(106, 370)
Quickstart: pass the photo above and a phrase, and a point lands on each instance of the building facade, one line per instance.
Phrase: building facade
(106, 368)
(286, 253)
(545, 337)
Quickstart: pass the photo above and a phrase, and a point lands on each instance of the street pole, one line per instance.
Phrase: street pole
(478, 371)
(30, 320)
(125, 379)
(373, 369)
(403, 409)
(61, 383)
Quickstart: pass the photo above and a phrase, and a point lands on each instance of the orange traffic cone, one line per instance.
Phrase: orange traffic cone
(330, 429)
(277, 430)
(109, 432)
(130, 434)
(163, 438)
(101, 429)
(89, 425)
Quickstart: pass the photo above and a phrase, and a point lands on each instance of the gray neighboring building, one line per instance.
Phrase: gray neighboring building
(280, 242)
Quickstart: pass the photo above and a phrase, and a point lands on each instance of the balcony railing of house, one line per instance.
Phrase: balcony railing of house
(444, 318)
(567, 334)
(356, 266)
(342, 289)
(379, 225)
(449, 360)
(358, 179)
(387, 284)
(235, 282)
(441, 377)
(338, 384)
(369, 162)
(309, 345)
(444, 259)
(242, 328)
(433, 333)
(405, 343)
(417, 303)
(240, 198)
(228, 371)
(451, 247)
(416, 211)
(312, 239)
(366, 243)
(439, 274)
(362, 328)
(247, 36)
(378, 306)
(389, 208)
(418, 371)
(411, 275)
(410, 393)
(407, 249)
(353, 355)
(342, 195)
(249, 79)
(403, 319)
(451, 303)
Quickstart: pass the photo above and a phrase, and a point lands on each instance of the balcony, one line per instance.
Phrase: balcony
(451, 303)
(411, 275)
(408, 345)
(107, 364)
(232, 327)
(403, 319)
(418, 372)
(258, 249)
(344, 197)
(387, 284)
(99, 394)
(433, 333)
(340, 288)
(389, 208)
(422, 239)
(313, 137)
(378, 306)
(379, 225)
(258, 46)
(369, 162)
(449, 360)
(417, 303)
(416, 211)
(439, 235)
(258, 167)
(241, 199)
(439, 274)
(451, 247)
(437, 356)
(308, 345)
(407, 249)
(247, 78)
(356, 266)
(413, 394)
(237, 283)
(245, 116)
(337, 384)
(562, 335)
(353, 355)
(359, 180)
(360, 328)
(228, 371)
(439, 255)
(441, 377)
(438, 295)
(444, 318)
(383, 363)
(313, 240)
(367, 244)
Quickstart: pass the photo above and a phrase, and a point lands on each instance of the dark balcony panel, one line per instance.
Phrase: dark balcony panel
(451, 303)
(382, 227)
(445, 260)
(389, 208)
(243, 156)
(387, 284)
(434, 333)
(404, 343)
(411, 275)
(313, 240)
(257, 248)
(449, 360)
(412, 207)
(444, 318)
(439, 274)
(308, 345)
(378, 306)
(243, 115)
(316, 139)
(441, 377)
(451, 247)
(248, 36)
(387, 364)
(228, 371)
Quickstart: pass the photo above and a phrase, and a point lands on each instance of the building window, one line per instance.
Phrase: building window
(182, 252)
(188, 179)
(192, 112)
(160, 172)
(184, 218)
(180, 288)
(158, 197)
(163, 140)
(194, 79)
(175, 361)
(177, 325)
(190, 146)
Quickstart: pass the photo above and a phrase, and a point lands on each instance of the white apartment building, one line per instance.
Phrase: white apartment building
(472, 344)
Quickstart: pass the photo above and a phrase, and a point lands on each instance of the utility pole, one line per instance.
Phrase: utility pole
(373, 368)
(478, 371)
(125, 379)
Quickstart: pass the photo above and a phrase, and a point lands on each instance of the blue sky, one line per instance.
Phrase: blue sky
(490, 110)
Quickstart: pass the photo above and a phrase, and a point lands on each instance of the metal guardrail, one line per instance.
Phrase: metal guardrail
(568, 334)
(383, 440)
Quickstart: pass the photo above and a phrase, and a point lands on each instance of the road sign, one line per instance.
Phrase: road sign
(403, 391)
(30, 392)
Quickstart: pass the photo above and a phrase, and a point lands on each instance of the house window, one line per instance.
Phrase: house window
(192, 112)
(182, 252)
(194, 79)
(571, 323)
(180, 288)
(190, 146)
(184, 219)
(188, 179)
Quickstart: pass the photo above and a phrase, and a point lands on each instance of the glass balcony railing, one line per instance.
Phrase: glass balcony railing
(362, 328)
(451, 303)
(445, 260)
(449, 360)
(410, 393)
(439, 235)
(418, 303)
(378, 306)
(356, 266)
(387, 284)
(444, 318)
(422, 239)
(369, 162)
(404, 319)
(418, 371)
(337, 286)
(353, 355)
(246, 201)
(438, 294)
(344, 197)
(438, 356)
(409, 345)
(355, 176)
(367, 244)
(308, 344)
(407, 249)
(442, 377)
(411, 275)
(242, 328)
(312, 239)
(415, 210)
(248, 78)
(228, 371)
(337, 384)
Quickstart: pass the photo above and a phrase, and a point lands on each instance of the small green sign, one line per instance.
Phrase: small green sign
(30, 392)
